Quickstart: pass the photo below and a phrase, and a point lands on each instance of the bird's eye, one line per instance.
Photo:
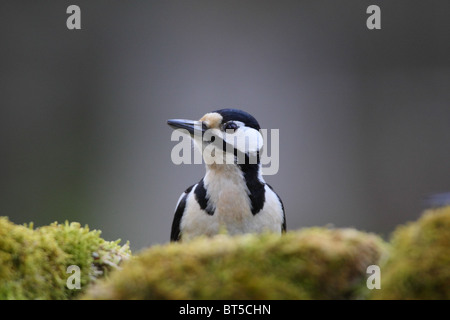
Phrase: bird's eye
(230, 126)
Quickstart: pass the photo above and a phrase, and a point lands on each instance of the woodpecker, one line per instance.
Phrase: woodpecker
(232, 196)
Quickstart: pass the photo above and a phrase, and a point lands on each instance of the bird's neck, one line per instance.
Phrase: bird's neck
(234, 172)
(244, 180)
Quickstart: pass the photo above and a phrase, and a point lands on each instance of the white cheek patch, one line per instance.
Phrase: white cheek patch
(246, 140)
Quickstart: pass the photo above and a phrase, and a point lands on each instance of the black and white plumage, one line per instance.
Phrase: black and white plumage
(232, 195)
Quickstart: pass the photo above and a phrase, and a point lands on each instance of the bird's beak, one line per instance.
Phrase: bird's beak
(193, 127)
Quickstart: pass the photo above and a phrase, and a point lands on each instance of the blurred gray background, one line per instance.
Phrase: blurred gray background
(364, 116)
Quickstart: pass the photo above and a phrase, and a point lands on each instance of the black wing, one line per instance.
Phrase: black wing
(175, 234)
(283, 224)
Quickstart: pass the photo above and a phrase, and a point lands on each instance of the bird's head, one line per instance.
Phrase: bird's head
(225, 136)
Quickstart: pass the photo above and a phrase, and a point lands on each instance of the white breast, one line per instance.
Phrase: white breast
(228, 194)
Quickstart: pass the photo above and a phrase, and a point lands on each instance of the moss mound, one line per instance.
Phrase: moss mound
(419, 264)
(33, 262)
(314, 263)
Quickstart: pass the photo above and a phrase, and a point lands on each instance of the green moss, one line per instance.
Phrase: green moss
(419, 264)
(33, 262)
(315, 263)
